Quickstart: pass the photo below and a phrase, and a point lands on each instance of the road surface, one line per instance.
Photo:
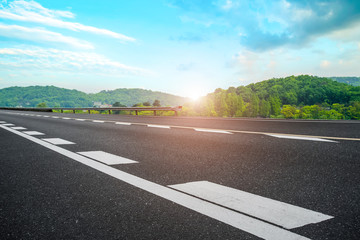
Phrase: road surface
(80, 176)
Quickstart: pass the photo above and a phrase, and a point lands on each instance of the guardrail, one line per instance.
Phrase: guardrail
(136, 109)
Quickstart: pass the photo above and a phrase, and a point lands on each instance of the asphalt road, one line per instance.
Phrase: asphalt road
(50, 191)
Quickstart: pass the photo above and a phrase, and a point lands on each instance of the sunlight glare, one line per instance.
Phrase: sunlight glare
(195, 94)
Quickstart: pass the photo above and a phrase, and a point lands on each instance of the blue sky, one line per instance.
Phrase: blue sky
(183, 47)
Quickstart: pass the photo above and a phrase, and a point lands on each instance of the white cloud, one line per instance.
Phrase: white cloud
(41, 35)
(325, 64)
(33, 12)
(349, 34)
(228, 5)
(299, 15)
(67, 61)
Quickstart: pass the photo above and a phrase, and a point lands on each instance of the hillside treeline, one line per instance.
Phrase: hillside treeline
(61, 97)
(301, 97)
(355, 81)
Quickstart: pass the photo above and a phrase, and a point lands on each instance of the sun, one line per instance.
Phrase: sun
(195, 94)
(194, 97)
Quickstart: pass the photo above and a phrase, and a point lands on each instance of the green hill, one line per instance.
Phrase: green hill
(129, 97)
(354, 81)
(52, 96)
(306, 97)
(61, 97)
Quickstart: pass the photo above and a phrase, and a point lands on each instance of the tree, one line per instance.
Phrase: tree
(221, 107)
(311, 112)
(156, 103)
(275, 104)
(42, 105)
(232, 102)
(240, 107)
(288, 111)
(265, 108)
(117, 104)
(146, 104)
(254, 105)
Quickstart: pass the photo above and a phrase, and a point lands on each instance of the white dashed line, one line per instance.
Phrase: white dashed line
(2, 122)
(232, 218)
(78, 119)
(235, 219)
(8, 124)
(19, 128)
(45, 116)
(66, 118)
(211, 130)
(276, 212)
(107, 158)
(159, 126)
(33, 133)
(54, 117)
(98, 121)
(123, 123)
(57, 141)
(301, 138)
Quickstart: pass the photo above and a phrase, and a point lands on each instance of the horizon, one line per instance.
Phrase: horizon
(146, 89)
(200, 46)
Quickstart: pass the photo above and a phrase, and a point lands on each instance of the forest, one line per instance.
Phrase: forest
(294, 97)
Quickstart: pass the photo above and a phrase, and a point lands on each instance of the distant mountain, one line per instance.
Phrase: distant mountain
(354, 81)
(135, 95)
(61, 97)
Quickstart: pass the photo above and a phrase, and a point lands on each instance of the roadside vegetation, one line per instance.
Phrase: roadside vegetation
(301, 97)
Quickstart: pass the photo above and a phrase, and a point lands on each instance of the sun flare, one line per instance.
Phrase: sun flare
(195, 94)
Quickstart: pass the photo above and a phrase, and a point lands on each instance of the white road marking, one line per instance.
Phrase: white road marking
(107, 158)
(230, 131)
(39, 115)
(276, 212)
(33, 133)
(57, 141)
(66, 118)
(158, 126)
(240, 221)
(2, 122)
(45, 116)
(78, 119)
(301, 138)
(211, 130)
(98, 121)
(19, 128)
(8, 124)
(123, 123)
